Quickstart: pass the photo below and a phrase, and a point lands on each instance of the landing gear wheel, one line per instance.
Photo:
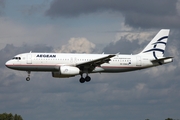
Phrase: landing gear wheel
(87, 79)
(28, 79)
(81, 80)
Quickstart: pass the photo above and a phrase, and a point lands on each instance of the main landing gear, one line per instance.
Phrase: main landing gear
(86, 79)
(28, 78)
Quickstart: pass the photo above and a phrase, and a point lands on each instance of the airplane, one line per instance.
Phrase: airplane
(65, 65)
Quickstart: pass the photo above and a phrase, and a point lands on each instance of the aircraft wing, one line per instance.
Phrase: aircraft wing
(96, 62)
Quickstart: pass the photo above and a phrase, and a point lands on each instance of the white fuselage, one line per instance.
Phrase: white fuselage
(51, 61)
(68, 65)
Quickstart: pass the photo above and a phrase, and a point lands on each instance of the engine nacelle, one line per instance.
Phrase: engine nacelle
(66, 71)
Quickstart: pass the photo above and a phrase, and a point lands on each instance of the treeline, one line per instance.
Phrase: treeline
(171, 119)
(167, 119)
(10, 116)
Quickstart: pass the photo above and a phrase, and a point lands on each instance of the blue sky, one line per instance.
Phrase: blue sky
(110, 26)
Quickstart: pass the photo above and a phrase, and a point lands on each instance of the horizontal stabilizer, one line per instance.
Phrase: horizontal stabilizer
(163, 60)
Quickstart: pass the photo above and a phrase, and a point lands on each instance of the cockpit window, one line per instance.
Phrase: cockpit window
(17, 58)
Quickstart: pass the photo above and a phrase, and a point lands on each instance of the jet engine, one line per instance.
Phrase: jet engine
(66, 71)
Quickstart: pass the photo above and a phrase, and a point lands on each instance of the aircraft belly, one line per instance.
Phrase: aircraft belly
(120, 69)
(34, 67)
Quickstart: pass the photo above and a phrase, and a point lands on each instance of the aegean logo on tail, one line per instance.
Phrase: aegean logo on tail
(155, 48)
(155, 45)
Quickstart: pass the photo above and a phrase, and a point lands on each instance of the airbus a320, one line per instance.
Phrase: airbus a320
(65, 65)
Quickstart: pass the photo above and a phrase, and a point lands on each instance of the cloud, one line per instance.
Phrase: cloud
(123, 46)
(128, 39)
(34, 9)
(2, 5)
(132, 41)
(10, 50)
(60, 8)
(151, 93)
(138, 14)
(77, 45)
(107, 96)
(178, 7)
(137, 20)
(106, 93)
(12, 32)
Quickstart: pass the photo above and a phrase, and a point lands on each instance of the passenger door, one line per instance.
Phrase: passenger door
(29, 59)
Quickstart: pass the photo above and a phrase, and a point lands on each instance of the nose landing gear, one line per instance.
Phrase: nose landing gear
(28, 78)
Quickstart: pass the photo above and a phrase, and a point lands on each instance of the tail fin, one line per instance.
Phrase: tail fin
(157, 45)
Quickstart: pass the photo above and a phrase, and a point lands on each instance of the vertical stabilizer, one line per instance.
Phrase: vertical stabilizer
(157, 45)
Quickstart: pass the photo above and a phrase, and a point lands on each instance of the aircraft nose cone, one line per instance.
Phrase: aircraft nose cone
(7, 64)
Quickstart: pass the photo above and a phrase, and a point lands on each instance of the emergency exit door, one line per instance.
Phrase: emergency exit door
(138, 61)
